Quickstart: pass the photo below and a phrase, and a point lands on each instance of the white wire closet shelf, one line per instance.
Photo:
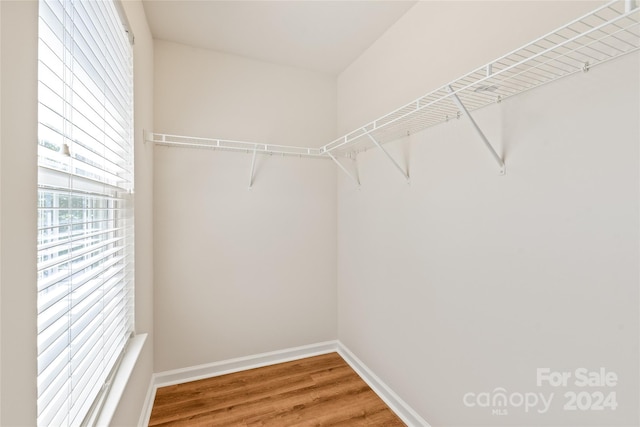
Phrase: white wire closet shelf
(231, 145)
(602, 35)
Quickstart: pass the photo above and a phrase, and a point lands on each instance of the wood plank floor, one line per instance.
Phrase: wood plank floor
(317, 391)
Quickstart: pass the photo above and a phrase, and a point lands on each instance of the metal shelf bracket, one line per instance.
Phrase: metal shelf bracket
(377, 144)
(253, 167)
(355, 177)
(484, 139)
(629, 5)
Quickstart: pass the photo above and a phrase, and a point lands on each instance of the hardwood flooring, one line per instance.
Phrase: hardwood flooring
(317, 391)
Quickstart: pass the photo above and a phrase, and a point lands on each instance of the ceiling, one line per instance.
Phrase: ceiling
(324, 36)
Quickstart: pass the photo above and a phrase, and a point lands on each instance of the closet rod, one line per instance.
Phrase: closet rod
(232, 145)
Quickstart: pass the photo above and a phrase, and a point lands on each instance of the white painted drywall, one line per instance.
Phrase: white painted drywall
(18, 142)
(465, 281)
(241, 272)
(128, 411)
(0, 213)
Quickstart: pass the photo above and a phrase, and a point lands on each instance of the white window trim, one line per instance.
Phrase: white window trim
(120, 381)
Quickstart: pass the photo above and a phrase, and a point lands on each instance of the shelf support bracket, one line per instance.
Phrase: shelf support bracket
(349, 174)
(146, 136)
(253, 166)
(484, 139)
(629, 5)
(377, 144)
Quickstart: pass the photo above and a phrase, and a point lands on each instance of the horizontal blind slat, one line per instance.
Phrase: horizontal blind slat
(71, 254)
(82, 275)
(70, 239)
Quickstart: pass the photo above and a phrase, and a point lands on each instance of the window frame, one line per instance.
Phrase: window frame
(86, 155)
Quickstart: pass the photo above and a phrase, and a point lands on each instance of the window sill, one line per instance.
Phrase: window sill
(121, 379)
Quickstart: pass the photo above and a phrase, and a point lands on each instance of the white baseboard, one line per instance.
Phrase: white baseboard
(194, 373)
(209, 370)
(397, 405)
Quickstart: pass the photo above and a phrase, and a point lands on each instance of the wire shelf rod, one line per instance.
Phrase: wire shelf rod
(232, 145)
(340, 142)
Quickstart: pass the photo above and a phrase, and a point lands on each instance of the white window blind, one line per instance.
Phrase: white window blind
(85, 205)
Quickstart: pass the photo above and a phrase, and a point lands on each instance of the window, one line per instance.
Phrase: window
(85, 205)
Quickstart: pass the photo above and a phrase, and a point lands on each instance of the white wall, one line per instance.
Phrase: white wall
(0, 216)
(128, 411)
(18, 78)
(240, 272)
(465, 281)
(205, 93)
